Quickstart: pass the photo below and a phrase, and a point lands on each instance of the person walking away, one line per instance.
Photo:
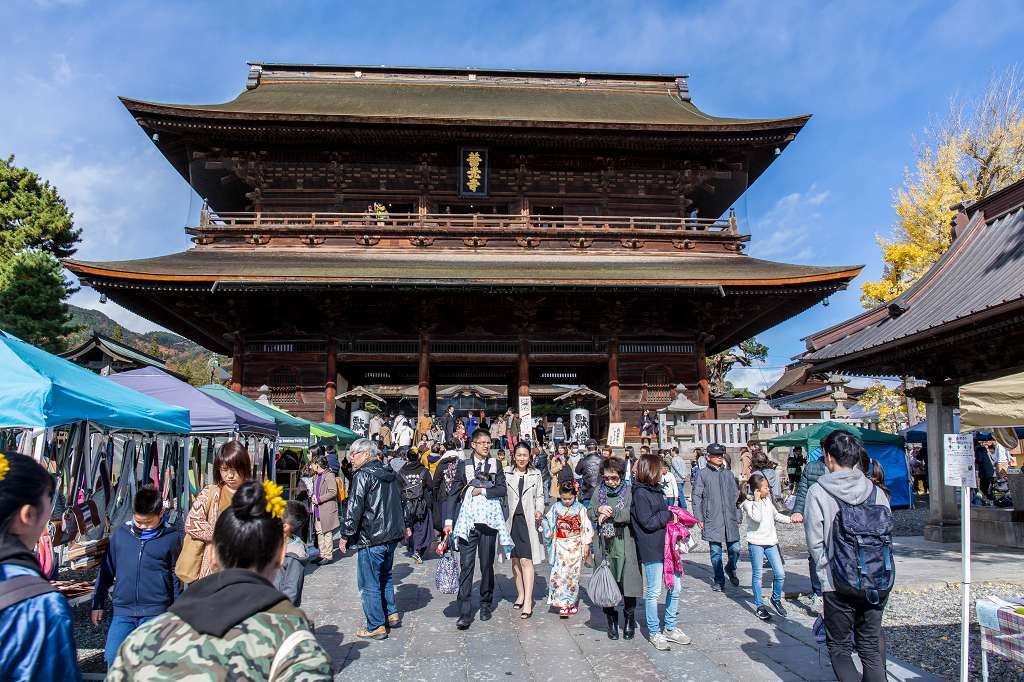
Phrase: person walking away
(541, 462)
(416, 505)
(746, 463)
(443, 483)
(794, 465)
(851, 548)
(233, 623)
(648, 517)
(714, 505)
(680, 469)
(231, 468)
(402, 432)
(588, 471)
(558, 433)
(36, 626)
(526, 509)
(918, 472)
(139, 564)
(481, 538)
(569, 533)
(324, 498)
(763, 541)
(609, 513)
(373, 524)
(292, 574)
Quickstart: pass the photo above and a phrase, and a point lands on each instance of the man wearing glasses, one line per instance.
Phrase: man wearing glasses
(481, 474)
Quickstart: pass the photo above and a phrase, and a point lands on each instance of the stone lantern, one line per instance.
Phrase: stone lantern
(764, 415)
(678, 414)
(838, 383)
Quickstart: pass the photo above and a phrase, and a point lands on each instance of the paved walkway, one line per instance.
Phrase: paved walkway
(729, 643)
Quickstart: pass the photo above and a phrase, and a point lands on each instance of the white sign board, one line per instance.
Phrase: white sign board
(617, 434)
(959, 460)
(526, 417)
(662, 430)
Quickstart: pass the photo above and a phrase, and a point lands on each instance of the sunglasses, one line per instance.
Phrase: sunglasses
(611, 478)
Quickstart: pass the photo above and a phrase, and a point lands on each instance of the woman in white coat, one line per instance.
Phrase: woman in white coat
(525, 486)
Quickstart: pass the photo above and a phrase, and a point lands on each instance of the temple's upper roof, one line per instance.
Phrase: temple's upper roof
(466, 96)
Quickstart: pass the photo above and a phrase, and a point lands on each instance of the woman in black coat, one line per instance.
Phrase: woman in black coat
(648, 518)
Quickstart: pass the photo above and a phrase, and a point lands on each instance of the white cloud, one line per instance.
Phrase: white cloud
(786, 230)
(61, 68)
(754, 378)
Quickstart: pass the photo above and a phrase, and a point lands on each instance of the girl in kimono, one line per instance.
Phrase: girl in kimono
(569, 533)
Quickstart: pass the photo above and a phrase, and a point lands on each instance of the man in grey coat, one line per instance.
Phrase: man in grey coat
(714, 505)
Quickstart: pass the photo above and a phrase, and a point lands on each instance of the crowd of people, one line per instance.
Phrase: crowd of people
(223, 591)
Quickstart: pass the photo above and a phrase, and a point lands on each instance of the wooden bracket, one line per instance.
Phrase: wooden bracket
(632, 243)
(475, 241)
(528, 242)
(421, 240)
(683, 243)
(313, 239)
(581, 242)
(367, 240)
(258, 239)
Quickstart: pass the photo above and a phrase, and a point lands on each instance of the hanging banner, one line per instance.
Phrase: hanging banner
(474, 168)
(959, 460)
(617, 434)
(526, 417)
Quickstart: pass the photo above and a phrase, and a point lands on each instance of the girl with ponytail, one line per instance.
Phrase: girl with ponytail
(36, 637)
(232, 623)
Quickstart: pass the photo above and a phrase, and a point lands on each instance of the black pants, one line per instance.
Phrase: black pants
(482, 539)
(628, 607)
(854, 624)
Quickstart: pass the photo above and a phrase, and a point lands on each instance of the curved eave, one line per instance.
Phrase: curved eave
(201, 115)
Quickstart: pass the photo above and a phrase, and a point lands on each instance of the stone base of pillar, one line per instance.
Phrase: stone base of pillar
(934, 532)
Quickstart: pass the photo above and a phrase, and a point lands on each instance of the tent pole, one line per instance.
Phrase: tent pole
(965, 589)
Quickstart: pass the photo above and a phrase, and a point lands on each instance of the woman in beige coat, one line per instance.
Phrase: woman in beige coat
(231, 468)
(525, 487)
(324, 497)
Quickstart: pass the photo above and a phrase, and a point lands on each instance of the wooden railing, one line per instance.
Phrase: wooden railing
(737, 432)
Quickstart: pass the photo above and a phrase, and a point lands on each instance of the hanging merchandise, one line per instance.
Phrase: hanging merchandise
(124, 490)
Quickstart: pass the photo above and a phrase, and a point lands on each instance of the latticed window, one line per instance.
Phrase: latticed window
(284, 386)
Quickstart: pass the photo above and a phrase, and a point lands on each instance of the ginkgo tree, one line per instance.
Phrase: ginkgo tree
(977, 149)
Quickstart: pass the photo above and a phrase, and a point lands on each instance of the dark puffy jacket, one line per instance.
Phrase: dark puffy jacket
(145, 582)
(373, 514)
(648, 517)
(812, 472)
(588, 470)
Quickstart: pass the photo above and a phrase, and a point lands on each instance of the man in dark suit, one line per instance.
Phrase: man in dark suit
(482, 539)
(448, 423)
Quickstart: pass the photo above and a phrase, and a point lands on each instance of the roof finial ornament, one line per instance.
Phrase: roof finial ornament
(253, 81)
(684, 89)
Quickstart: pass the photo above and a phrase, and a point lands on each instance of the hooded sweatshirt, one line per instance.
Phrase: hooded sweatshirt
(852, 487)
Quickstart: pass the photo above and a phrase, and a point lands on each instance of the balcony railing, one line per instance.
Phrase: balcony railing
(312, 229)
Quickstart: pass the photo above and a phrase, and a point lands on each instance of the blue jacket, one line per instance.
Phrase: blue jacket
(36, 638)
(145, 582)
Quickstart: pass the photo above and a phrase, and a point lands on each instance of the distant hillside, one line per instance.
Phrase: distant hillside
(181, 355)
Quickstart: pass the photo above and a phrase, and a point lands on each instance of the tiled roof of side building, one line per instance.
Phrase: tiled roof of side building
(282, 265)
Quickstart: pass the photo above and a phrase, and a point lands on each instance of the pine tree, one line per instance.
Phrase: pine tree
(33, 215)
(719, 364)
(32, 295)
(154, 347)
(118, 334)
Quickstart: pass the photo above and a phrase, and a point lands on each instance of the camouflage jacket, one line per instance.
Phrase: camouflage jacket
(167, 648)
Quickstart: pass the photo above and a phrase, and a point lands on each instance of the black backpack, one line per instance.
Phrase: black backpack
(414, 499)
(862, 562)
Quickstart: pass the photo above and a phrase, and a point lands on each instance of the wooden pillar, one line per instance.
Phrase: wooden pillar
(943, 516)
(703, 386)
(524, 367)
(237, 366)
(331, 387)
(614, 411)
(423, 399)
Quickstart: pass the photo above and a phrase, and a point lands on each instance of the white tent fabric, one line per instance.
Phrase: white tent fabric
(993, 403)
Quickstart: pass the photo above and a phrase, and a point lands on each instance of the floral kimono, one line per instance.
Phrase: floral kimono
(568, 532)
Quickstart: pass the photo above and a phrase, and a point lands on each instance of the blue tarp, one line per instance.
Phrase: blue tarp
(38, 389)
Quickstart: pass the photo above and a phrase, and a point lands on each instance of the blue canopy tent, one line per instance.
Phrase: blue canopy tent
(41, 390)
(887, 448)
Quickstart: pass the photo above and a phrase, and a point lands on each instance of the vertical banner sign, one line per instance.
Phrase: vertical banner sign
(617, 434)
(526, 417)
(663, 430)
(474, 168)
(959, 460)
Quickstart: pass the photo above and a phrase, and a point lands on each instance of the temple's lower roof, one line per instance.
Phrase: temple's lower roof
(441, 268)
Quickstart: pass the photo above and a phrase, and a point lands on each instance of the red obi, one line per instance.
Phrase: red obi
(568, 526)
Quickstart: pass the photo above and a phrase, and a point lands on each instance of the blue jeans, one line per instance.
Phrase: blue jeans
(120, 628)
(757, 553)
(733, 548)
(373, 578)
(654, 578)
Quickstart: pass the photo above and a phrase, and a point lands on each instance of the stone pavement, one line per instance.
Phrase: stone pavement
(729, 643)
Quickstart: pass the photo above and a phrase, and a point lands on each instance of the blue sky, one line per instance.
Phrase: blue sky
(873, 74)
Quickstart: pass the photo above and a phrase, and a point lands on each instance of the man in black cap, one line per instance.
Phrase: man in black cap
(588, 470)
(714, 505)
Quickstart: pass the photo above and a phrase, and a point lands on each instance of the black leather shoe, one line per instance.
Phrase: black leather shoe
(463, 623)
(485, 613)
(734, 579)
(613, 626)
(629, 627)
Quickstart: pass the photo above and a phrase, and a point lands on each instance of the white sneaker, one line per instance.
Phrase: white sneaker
(659, 642)
(677, 636)
(816, 603)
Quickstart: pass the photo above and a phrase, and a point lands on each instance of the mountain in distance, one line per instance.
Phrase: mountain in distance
(183, 356)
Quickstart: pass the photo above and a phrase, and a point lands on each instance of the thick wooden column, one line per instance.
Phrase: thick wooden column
(423, 399)
(237, 366)
(524, 367)
(331, 387)
(703, 385)
(614, 411)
